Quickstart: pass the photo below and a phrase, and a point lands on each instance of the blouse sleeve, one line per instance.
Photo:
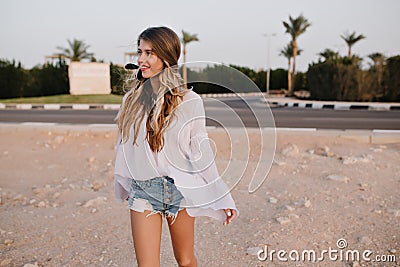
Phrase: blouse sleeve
(120, 183)
(203, 162)
(201, 154)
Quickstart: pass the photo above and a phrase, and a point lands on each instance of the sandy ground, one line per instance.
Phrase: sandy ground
(58, 208)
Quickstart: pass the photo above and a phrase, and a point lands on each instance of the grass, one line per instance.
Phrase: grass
(66, 99)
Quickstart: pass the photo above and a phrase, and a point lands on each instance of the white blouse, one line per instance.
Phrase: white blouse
(186, 157)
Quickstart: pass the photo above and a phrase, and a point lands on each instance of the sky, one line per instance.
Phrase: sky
(230, 31)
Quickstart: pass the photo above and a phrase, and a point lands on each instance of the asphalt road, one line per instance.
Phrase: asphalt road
(239, 113)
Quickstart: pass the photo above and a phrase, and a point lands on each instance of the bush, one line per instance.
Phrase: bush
(118, 76)
(330, 81)
(13, 79)
(43, 80)
(344, 80)
(49, 79)
(392, 80)
(220, 79)
(301, 81)
(279, 79)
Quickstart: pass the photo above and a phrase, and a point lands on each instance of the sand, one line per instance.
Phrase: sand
(58, 208)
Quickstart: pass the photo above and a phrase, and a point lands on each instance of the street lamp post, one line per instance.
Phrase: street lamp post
(268, 60)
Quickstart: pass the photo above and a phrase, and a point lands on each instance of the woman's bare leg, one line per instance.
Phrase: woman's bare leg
(146, 232)
(182, 236)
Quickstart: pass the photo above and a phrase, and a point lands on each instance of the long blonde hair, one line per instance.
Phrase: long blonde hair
(140, 99)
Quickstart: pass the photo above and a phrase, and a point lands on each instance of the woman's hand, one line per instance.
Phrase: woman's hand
(230, 215)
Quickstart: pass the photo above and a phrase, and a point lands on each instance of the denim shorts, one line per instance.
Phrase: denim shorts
(158, 195)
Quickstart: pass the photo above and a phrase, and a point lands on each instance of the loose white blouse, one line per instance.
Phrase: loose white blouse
(186, 157)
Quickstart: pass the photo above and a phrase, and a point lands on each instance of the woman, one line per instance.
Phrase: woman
(164, 164)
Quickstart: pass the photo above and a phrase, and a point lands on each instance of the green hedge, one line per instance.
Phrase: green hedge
(49, 79)
(329, 81)
(13, 79)
(342, 80)
(46, 80)
(392, 80)
(346, 81)
(52, 79)
(118, 76)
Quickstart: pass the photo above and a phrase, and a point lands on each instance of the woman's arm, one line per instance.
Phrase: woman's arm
(203, 160)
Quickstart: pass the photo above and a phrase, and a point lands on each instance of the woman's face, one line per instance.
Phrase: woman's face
(149, 63)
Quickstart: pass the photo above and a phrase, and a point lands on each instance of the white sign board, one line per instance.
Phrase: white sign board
(89, 78)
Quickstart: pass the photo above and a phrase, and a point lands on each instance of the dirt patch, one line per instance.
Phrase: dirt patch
(58, 208)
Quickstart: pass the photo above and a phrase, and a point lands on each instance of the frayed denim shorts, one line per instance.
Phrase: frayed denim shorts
(158, 195)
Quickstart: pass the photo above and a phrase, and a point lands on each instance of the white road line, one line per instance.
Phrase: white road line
(386, 131)
(102, 125)
(296, 129)
(40, 123)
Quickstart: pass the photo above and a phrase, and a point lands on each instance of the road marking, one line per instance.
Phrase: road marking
(52, 106)
(24, 106)
(81, 106)
(40, 123)
(296, 129)
(102, 125)
(385, 131)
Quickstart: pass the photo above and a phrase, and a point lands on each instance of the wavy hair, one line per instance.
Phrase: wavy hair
(141, 100)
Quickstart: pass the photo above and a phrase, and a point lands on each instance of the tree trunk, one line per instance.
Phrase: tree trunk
(349, 52)
(291, 88)
(184, 67)
(289, 75)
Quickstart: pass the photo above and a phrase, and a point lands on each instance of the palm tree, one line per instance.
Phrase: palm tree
(295, 28)
(351, 39)
(378, 64)
(377, 58)
(76, 51)
(186, 38)
(287, 52)
(329, 55)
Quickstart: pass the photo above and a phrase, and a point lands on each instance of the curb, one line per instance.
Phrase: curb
(60, 106)
(334, 105)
